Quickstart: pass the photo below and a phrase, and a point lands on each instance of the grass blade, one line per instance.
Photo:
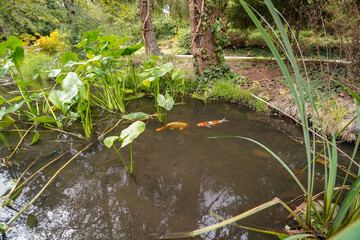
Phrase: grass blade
(223, 223)
(345, 206)
(300, 236)
(351, 232)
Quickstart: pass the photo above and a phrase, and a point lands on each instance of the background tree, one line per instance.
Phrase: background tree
(23, 17)
(147, 28)
(207, 37)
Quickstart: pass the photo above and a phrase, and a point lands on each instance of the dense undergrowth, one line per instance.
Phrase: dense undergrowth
(105, 76)
(102, 72)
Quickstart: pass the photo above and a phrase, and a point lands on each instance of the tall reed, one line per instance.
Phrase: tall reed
(327, 221)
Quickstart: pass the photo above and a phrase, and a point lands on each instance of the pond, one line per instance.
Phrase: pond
(180, 177)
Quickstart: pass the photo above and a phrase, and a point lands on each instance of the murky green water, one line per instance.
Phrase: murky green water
(181, 176)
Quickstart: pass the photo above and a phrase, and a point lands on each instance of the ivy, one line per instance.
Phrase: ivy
(218, 27)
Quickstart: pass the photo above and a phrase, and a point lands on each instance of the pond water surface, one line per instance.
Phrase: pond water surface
(180, 178)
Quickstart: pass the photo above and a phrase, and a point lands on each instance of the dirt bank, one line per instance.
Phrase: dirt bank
(335, 110)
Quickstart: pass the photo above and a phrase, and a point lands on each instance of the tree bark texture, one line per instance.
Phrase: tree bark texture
(203, 46)
(147, 28)
(4, 30)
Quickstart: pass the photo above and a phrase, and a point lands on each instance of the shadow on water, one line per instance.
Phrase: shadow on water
(181, 176)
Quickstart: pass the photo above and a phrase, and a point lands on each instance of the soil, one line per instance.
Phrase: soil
(275, 91)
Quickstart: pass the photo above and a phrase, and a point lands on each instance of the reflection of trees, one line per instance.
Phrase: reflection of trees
(217, 198)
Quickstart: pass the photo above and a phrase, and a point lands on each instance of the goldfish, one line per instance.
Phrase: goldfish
(173, 125)
(211, 123)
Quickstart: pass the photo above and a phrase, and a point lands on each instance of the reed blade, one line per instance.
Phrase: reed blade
(223, 223)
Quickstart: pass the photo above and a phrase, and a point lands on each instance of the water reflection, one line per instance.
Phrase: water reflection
(180, 177)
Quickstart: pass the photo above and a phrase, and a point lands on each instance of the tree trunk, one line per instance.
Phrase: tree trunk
(203, 45)
(147, 28)
(4, 30)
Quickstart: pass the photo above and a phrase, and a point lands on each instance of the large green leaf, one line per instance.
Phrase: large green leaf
(130, 133)
(23, 83)
(81, 44)
(44, 119)
(69, 56)
(130, 50)
(3, 48)
(71, 63)
(5, 119)
(161, 70)
(166, 101)
(147, 82)
(109, 141)
(13, 42)
(55, 98)
(18, 54)
(91, 36)
(53, 73)
(72, 86)
(60, 78)
(136, 116)
(15, 107)
(108, 38)
(118, 42)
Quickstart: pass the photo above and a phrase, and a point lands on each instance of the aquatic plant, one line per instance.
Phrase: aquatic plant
(323, 221)
(101, 69)
(12, 64)
(166, 102)
(126, 137)
(74, 100)
(152, 77)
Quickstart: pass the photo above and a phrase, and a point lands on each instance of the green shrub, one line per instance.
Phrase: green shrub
(255, 39)
(164, 27)
(183, 41)
(37, 62)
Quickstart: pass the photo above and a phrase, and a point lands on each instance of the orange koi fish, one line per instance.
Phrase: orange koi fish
(173, 125)
(211, 123)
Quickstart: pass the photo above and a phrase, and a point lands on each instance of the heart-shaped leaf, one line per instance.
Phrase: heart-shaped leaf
(69, 56)
(130, 133)
(136, 116)
(166, 101)
(109, 141)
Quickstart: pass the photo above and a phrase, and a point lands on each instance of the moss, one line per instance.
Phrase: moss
(225, 90)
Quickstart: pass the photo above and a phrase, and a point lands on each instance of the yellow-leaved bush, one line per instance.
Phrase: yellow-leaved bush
(54, 44)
